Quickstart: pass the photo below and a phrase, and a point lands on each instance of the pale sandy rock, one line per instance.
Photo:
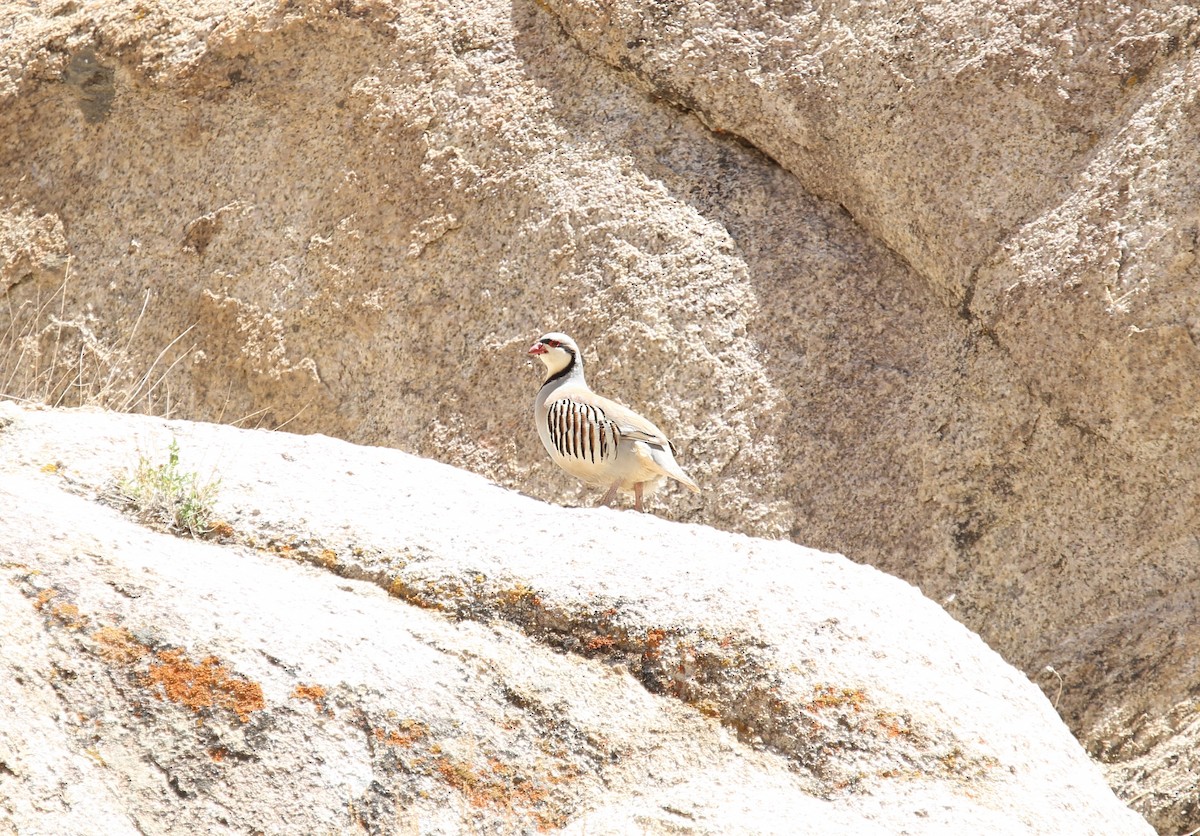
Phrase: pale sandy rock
(356, 655)
(915, 282)
(939, 127)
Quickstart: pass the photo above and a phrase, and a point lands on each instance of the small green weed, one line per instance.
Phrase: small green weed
(164, 496)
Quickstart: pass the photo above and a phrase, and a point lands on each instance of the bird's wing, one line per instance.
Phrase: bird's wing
(628, 423)
(580, 430)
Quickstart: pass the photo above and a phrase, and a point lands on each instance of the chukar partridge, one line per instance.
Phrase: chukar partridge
(594, 439)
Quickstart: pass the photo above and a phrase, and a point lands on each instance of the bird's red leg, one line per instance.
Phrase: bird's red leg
(610, 494)
(637, 495)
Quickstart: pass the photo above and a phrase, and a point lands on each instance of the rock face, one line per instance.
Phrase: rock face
(915, 282)
(350, 656)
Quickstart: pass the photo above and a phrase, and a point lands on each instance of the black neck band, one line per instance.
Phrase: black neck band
(563, 371)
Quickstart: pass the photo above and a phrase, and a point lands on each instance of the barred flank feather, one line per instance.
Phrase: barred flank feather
(581, 431)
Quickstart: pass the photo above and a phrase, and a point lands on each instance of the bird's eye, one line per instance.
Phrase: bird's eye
(554, 343)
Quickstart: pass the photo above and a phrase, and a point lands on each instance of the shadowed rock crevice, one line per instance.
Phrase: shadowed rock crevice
(93, 83)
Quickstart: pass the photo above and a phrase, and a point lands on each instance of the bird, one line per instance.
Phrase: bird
(597, 440)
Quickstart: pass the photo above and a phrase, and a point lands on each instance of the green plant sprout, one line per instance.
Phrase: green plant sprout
(165, 497)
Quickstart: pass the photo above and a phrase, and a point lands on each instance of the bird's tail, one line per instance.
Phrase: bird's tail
(685, 480)
(665, 459)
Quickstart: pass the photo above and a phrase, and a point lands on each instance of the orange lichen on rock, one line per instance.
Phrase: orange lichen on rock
(44, 597)
(314, 694)
(221, 530)
(827, 696)
(409, 733)
(520, 596)
(65, 612)
(118, 645)
(601, 643)
(500, 786)
(654, 640)
(328, 558)
(205, 685)
(893, 724)
(458, 775)
(69, 615)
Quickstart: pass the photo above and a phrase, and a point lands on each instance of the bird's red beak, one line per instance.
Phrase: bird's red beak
(537, 348)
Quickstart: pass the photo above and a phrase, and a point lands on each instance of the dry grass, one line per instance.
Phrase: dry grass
(57, 352)
(52, 356)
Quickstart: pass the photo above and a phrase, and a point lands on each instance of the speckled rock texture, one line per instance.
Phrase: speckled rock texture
(915, 282)
(346, 656)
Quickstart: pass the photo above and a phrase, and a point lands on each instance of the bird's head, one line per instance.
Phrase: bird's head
(556, 351)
